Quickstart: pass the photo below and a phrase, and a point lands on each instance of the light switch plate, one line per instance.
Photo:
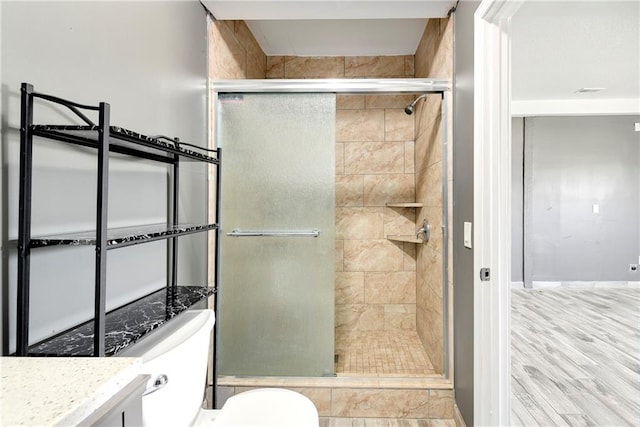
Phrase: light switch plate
(636, 126)
(467, 235)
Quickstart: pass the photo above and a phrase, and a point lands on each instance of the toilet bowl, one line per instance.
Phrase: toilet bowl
(176, 358)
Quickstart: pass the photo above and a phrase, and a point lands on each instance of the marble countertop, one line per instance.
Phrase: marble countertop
(64, 391)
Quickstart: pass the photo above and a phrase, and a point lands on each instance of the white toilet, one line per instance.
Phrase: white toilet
(176, 358)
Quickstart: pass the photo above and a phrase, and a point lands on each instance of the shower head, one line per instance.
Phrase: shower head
(409, 108)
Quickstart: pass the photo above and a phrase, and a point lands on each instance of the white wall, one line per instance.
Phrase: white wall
(148, 60)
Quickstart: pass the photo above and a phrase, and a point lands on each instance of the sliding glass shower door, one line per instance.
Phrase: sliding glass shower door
(276, 297)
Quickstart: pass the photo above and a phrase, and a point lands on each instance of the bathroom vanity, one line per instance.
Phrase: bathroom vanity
(69, 391)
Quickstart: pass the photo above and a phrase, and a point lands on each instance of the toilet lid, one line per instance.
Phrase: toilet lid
(268, 408)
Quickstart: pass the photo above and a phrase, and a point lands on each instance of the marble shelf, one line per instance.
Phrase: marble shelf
(407, 239)
(126, 141)
(125, 325)
(125, 236)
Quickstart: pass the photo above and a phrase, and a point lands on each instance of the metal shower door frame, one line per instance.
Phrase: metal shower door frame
(440, 87)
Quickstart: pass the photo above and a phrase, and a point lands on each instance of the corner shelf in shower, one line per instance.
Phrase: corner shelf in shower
(107, 333)
(406, 239)
(403, 238)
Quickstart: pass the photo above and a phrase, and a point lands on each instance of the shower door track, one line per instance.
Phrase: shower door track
(332, 86)
(351, 86)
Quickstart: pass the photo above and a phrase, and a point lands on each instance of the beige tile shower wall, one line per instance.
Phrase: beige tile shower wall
(433, 59)
(339, 67)
(234, 53)
(375, 278)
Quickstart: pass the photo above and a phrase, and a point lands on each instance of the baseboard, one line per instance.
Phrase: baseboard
(517, 285)
(582, 284)
(457, 417)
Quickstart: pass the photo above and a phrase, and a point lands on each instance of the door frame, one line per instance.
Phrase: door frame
(492, 210)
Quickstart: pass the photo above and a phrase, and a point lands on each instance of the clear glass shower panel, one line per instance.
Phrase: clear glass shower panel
(276, 312)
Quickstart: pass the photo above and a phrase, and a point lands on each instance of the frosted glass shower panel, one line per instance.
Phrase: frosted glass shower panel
(276, 313)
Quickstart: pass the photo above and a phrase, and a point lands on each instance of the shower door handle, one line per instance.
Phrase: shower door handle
(274, 233)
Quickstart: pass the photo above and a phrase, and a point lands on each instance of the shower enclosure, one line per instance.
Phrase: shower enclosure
(278, 294)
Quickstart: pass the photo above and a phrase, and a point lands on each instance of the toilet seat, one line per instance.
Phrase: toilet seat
(267, 407)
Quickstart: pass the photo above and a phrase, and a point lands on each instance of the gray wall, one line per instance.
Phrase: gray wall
(517, 198)
(149, 61)
(463, 207)
(572, 163)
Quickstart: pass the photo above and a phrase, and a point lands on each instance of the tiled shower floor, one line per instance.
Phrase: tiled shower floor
(386, 353)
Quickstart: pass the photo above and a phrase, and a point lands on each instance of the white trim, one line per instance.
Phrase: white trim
(575, 107)
(583, 284)
(492, 201)
(517, 285)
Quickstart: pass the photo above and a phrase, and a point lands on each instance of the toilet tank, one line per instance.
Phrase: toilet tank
(179, 351)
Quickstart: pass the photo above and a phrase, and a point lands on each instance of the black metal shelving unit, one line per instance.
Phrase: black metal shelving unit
(89, 339)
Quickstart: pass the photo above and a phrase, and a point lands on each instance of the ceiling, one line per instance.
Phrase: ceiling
(333, 28)
(560, 47)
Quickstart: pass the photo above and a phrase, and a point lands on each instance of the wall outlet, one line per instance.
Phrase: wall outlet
(633, 268)
(636, 127)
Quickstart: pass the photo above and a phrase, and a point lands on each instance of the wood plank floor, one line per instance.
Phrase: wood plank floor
(575, 357)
